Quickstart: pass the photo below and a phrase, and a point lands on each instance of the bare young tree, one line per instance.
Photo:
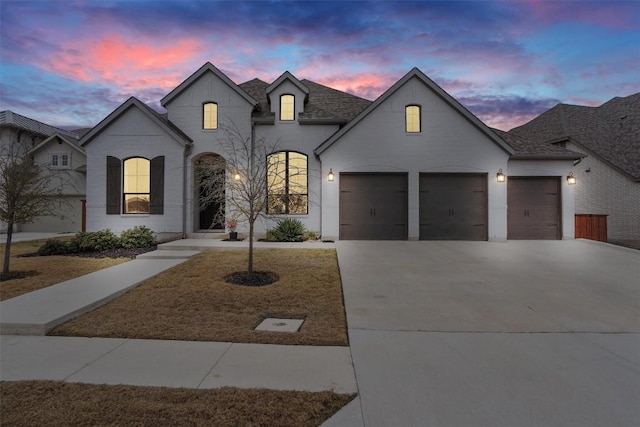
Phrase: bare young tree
(247, 181)
(27, 191)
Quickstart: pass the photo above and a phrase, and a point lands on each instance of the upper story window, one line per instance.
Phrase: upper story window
(412, 118)
(60, 160)
(287, 107)
(210, 116)
(287, 183)
(137, 174)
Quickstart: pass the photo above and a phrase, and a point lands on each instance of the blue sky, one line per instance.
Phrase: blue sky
(69, 63)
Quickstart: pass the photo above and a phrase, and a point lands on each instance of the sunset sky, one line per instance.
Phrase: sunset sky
(69, 63)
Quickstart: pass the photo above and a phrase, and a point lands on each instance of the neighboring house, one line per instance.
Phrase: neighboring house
(414, 164)
(58, 149)
(608, 178)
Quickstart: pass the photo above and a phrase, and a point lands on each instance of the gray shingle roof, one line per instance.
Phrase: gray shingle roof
(610, 131)
(527, 148)
(324, 103)
(9, 118)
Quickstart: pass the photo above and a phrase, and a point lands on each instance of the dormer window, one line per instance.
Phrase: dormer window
(412, 119)
(287, 107)
(210, 116)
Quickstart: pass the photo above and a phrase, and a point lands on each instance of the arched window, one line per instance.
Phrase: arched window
(210, 115)
(412, 116)
(287, 183)
(136, 194)
(287, 107)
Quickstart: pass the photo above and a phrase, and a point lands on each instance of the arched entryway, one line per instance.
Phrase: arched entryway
(209, 185)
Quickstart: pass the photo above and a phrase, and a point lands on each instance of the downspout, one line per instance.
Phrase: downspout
(187, 152)
(321, 192)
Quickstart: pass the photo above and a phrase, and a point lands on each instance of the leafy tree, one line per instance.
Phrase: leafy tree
(27, 190)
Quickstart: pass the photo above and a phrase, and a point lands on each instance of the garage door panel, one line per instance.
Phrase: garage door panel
(373, 206)
(533, 208)
(453, 207)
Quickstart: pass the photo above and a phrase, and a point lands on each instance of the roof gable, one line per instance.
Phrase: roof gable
(324, 106)
(287, 76)
(61, 138)
(417, 74)
(208, 67)
(133, 102)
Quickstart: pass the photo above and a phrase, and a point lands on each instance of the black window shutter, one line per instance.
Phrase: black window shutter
(157, 185)
(114, 191)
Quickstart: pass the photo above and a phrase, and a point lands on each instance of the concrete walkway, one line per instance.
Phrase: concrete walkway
(176, 363)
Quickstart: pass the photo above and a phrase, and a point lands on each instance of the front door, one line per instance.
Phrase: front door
(209, 175)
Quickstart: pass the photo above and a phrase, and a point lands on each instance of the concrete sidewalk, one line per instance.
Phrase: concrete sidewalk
(38, 312)
(188, 364)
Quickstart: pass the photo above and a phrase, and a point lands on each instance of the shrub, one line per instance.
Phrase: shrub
(95, 241)
(289, 230)
(55, 247)
(310, 235)
(137, 237)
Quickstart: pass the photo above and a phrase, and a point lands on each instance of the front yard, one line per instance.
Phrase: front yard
(193, 302)
(190, 302)
(46, 271)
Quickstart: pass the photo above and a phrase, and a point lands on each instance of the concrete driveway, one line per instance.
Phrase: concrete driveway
(523, 333)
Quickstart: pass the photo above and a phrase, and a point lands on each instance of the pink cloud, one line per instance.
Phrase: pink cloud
(126, 63)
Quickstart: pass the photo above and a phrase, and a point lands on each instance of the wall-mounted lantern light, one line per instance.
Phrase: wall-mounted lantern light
(236, 176)
(331, 176)
(571, 179)
(500, 176)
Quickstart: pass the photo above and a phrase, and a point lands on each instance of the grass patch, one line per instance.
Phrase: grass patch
(193, 302)
(51, 403)
(46, 271)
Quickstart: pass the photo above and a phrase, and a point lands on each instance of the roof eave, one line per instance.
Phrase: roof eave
(129, 103)
(415, 72)
(208, 66)
(548, 156)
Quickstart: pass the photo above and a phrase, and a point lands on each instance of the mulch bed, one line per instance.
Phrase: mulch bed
(111, 253)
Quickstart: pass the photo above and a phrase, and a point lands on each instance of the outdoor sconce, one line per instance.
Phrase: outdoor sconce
(331, 176)
(236, 176)
(571, 179)
(500, 176)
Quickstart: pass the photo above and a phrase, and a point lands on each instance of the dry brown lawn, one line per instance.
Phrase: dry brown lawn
(49, 270)
(193, 302)
(49, 403)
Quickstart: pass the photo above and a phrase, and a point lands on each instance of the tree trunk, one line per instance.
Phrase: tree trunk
(7, 250)
(250, 263)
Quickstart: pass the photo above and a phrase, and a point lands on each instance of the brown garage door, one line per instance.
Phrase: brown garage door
(373, 206)
(533, 208)
(453, 206)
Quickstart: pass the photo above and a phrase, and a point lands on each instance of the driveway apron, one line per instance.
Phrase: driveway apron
(525, 333)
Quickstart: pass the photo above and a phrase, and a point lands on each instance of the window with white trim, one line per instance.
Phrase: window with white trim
(60, 160)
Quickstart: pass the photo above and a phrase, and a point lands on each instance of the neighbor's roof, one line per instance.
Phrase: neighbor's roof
(610, 131)
(9, 118)
(324, 105)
